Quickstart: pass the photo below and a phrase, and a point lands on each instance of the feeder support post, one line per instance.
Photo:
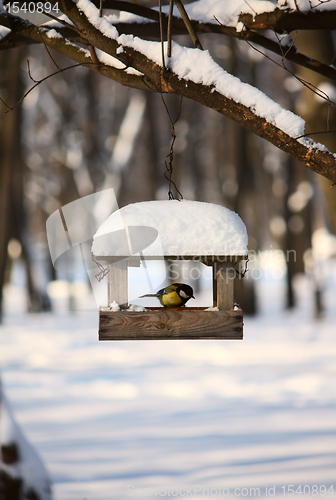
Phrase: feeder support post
(223, 280)
(117, 279)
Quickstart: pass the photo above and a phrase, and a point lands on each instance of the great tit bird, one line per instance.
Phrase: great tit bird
(175, 295)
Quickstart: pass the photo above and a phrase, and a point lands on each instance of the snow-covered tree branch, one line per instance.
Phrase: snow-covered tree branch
(124, 44)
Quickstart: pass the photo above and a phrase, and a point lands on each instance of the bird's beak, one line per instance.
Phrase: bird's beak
(192, 297)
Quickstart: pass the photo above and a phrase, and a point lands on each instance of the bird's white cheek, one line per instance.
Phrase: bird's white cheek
(183, 295)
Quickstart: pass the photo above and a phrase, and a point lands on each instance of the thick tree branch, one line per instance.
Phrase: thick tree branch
(150, 30)
(285, 21)
(159, 80)
(280, 20)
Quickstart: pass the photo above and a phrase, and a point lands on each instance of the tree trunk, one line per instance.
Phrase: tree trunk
(10, 157)
(315, 111)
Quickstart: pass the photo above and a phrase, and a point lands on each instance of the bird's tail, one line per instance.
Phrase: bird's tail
(149, 295)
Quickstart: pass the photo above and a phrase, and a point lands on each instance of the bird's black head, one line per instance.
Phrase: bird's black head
(185, 292)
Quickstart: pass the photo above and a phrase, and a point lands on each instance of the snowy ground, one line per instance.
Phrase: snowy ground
(178, 418)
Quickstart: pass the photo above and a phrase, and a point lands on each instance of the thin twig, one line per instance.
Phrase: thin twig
(170, 17)
(93, 55)
(61, 21)
(161, 35)
(297, 7)
(169, 165)
(188, 24)
(47, 49)
(321, 2)
(328, 116)
(306, 84)
(29, 73)
(38, 82)
(308, 134)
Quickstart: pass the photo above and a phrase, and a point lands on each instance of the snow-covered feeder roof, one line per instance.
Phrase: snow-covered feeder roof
(171, 228)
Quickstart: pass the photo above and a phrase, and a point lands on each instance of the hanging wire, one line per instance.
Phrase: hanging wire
(169, 163)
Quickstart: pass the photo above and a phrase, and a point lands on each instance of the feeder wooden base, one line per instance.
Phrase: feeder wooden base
(175, 323)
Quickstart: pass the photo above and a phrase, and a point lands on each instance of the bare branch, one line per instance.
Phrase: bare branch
(189, 25)
(94, 55)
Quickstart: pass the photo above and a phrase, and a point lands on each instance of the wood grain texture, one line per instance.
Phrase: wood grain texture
(117, 282)
(160, 324)
(223, 280)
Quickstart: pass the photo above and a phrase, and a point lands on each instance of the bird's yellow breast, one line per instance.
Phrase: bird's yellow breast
(170, 299)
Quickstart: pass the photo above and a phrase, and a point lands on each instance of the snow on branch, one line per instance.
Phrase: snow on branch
(261, 14)
(188, 72)
(238, 19)
(282, 16)
(199, 67)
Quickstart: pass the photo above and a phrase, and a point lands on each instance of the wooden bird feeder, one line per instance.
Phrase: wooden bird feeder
(137, 233)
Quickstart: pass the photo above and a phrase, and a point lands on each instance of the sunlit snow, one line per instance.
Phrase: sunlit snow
(111, 419)
(181, 228)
